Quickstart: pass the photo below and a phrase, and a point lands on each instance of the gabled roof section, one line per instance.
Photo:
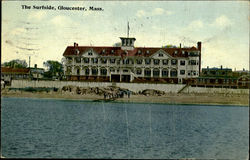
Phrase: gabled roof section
(117, 51)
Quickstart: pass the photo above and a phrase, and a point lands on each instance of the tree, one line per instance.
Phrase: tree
(55, 68)
(117, 44)
(16, 63)
(169, 46)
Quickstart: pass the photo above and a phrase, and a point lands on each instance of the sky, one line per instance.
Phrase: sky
(221, 26)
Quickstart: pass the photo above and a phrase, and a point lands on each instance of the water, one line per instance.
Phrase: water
(45, 128)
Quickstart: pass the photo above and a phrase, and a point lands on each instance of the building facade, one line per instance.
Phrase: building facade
(7, 74)
(222, 78)
(132, 64)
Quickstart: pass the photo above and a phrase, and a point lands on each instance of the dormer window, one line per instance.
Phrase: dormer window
(183, 52)
(147, 51)
(175, 52)
(77, 51)
(139, 51)
(160, 55)
(90, 53)
(103, 51)
(112, 51)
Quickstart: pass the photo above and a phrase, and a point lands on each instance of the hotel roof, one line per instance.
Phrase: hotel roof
(117, 51)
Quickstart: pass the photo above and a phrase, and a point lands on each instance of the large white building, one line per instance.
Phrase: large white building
(132, 64)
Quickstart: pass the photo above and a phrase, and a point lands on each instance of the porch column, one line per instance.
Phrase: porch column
(160, 73)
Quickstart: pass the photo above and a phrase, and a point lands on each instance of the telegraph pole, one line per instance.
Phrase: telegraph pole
(29, 61)
(29, 68)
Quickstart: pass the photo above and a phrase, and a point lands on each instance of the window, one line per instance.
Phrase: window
(86, 71)
(164, 73)
(165, 61)
(125, 61)
(78, 60)
(156, 61)
(95, 60)
(173, 73)
(156, 72)
(138, 71)
(174, 62)
(193, 54)
(90, 53)
(103, 71)
(86, 60)
(78, 71)
(125, 70)
(139, 61)
(182, 72)
(104, 60)
(112, 60)
(192, 62)
(182, 63)
(94, 71)
(118, 61)
(112, 70)
(194, 73)
(147, 61)
(147, 72)
(160, 55)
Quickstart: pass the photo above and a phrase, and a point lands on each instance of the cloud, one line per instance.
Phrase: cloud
(169, 13)
(158, 11)
(196, 24)
(154, 12)
(17, 31)
(222, 21)
(38, 15)
(140, 13)
(60, 20)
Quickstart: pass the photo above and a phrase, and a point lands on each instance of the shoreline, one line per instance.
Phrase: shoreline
(171, 99)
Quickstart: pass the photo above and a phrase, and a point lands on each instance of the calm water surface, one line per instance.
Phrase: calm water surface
(45, 128)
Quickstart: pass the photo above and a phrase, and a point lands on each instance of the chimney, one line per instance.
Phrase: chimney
(75, 44)
(221, 67)
(35, 66)
(199, 46)
(180, 45)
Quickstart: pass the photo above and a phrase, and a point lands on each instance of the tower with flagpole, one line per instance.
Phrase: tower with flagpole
(127, 42)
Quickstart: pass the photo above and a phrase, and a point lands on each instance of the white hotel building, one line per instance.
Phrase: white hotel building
(132, 64)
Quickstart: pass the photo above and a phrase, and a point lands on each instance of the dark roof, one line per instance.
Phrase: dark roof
(15, 70)
(117, 51)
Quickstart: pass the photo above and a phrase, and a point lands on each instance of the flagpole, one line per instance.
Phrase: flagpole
(128, 30)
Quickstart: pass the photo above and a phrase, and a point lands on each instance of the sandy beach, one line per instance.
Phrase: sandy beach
(209, 99)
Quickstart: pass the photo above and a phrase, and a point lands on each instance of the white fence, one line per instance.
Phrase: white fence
(135, 87)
